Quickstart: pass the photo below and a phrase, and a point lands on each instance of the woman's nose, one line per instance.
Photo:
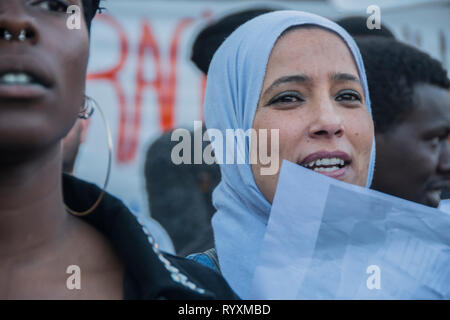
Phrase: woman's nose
(327, 122)
(16, 24)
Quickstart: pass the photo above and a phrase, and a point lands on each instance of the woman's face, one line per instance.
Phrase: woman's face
(312, 93)
(42, 78)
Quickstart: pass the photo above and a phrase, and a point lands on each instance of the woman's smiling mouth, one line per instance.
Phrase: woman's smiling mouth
(333, 164)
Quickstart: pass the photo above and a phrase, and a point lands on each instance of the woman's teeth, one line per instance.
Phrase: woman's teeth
(325, 162)
(328, 169)
(16, 79)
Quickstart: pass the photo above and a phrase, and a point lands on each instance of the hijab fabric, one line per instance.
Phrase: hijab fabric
(235, 80)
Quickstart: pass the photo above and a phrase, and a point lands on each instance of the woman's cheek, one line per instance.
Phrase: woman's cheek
(293, 134)
(362, 131)
(286, 147)
(364, 137)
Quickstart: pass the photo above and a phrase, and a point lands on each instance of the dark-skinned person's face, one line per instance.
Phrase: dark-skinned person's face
(413, 156)
(42, 76)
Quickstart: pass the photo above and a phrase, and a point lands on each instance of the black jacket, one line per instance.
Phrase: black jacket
(149, 273)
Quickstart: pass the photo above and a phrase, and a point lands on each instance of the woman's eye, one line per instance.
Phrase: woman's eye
(348, 95)
(53, 5)
(286, 98)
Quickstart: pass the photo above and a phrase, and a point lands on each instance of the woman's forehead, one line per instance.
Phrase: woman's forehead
(311, 51)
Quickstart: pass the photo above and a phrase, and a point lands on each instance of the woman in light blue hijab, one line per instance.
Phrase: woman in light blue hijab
(304, 75)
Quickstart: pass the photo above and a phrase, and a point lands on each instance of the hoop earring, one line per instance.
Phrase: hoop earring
(85, 113)
(88, 108)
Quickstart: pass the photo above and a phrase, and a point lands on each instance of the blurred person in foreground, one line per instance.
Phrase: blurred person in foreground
(70, 148)
(45, 235)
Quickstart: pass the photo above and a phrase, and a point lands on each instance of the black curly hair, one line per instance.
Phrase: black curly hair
(356, 26)
(90, 8)
(393, 70)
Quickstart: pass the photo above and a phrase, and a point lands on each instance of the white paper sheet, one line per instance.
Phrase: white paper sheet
(445, 206)
(327, 239)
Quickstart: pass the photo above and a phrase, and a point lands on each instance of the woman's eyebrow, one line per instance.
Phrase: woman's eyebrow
(302, 78)
(298, 78)
(344, 77)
